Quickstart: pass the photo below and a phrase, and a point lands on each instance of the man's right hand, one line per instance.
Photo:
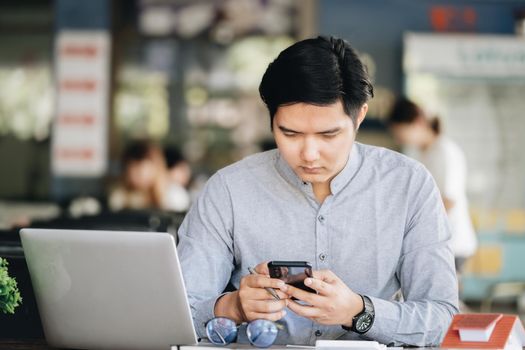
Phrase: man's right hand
(252, 301)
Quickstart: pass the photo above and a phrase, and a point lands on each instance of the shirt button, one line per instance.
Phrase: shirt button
(318, 333)
(322, 256)
(320, 218)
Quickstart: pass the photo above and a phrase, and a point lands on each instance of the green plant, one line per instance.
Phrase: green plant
(9, 294)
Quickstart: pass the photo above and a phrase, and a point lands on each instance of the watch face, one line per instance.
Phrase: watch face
(364, 323)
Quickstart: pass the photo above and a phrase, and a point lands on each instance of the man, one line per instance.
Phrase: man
(369, 220)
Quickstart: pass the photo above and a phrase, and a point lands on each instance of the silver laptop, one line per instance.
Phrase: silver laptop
(108, 289)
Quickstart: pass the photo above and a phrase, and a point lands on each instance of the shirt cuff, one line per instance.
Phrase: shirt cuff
(385, 322)
(203, 311)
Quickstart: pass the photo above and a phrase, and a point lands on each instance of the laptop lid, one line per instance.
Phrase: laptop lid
(108, 289)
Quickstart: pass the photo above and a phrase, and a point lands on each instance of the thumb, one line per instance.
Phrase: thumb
(262, 268)
(325, 276)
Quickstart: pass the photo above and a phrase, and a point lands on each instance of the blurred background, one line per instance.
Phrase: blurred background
(107, 105)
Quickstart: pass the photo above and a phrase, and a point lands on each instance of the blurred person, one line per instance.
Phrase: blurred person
(144, 183)
(446, 162)
(370, 220)
(179, 170)
(179, 176)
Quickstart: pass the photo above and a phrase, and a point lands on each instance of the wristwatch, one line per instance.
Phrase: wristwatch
(363, 321)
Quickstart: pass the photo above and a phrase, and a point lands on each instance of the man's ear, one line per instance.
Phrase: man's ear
(361, 115)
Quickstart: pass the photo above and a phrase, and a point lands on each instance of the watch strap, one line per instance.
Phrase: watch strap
(368, 307)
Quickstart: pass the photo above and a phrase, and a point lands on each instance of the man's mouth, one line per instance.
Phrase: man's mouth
(311, 170)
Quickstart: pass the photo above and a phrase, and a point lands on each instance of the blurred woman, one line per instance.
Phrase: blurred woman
(446, 162)
(179, 176)
(144, 183)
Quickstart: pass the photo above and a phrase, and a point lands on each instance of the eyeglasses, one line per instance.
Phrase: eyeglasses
(223, 331)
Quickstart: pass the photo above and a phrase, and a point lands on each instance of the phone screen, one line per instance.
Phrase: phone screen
(292, 275)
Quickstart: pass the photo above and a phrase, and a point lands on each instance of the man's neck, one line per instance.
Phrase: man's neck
(321, 190)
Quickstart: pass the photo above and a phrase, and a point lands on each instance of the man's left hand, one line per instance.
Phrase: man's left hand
(335, 303)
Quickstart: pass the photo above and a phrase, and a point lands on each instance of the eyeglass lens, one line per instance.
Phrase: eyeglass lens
(261, 333)
(223, 331)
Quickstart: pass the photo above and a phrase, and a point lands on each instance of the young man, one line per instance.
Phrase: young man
(370, 220)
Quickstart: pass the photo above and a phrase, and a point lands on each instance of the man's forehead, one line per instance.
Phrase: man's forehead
(311, 117)
(305, 106)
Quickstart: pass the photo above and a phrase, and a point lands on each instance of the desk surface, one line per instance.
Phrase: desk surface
(27, 344)
(40, 344)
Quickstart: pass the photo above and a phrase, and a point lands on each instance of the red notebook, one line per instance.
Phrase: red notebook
(477, 321)
(498, 338)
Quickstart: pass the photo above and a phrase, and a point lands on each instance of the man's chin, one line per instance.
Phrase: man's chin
(314, 178)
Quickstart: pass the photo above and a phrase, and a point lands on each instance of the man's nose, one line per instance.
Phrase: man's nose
(310, 151)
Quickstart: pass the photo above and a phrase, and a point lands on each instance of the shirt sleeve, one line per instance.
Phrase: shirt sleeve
(426, 274)
(206, 250)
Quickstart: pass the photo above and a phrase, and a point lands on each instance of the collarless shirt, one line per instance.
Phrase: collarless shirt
(382, 230)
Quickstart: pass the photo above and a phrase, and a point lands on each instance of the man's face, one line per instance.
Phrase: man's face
(315, 140)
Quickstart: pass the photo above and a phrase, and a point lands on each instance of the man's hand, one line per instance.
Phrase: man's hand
(335, 303)
(252, 301)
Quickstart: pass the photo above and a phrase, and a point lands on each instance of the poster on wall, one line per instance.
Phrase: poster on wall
(464, 55)
(80, 129)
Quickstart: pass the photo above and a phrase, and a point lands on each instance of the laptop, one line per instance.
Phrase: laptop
(108, 289)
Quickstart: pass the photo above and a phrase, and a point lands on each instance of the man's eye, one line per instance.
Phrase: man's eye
(330, 136)
(290, 134)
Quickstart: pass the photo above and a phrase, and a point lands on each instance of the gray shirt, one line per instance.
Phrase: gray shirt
(382, 229)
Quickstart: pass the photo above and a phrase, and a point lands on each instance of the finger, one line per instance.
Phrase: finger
(319, 286)
(260, 294)
(276, 316)
(325, 276)
(310, 298)
(266, 306)
(260, 281)
(262, 269)
(304, 310)
(282, 295)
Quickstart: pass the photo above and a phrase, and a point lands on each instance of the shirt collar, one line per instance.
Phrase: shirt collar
(338, 182)
(347, 174)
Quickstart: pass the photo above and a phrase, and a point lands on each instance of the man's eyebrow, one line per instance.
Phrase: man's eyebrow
(329, 131)
(285, 129)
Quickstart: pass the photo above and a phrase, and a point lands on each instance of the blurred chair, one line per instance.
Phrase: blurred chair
(505, 291)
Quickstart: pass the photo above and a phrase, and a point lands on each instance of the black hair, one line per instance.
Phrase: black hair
(406, 111)
(136, 151)
(173, 156)
(317, 71)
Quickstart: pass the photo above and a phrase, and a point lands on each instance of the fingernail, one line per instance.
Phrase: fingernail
(284, 313)
(308, 281)
(280, 284)
(284, 287)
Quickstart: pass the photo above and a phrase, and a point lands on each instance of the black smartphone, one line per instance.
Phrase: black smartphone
(292, 273)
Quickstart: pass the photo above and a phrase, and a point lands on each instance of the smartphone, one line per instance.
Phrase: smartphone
(292, 273)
